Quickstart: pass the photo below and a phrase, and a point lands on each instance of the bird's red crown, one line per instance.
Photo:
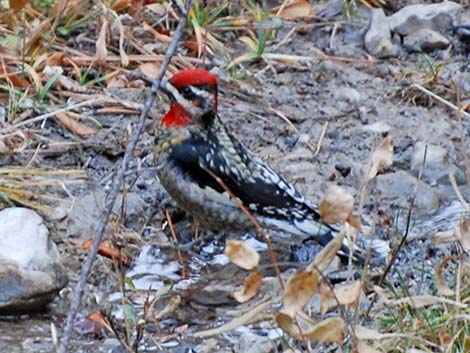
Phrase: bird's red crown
(177, 116)
(193, 77)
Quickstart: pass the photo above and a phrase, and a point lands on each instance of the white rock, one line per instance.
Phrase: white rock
(24, 239)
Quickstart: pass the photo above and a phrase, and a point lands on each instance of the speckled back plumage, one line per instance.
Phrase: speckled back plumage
(185, 152)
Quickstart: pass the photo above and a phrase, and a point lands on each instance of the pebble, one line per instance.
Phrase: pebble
(412, 18)
(435, 154)
(378, 39)
(251, 343)
(30, 265)
(399, 187)
(425, 40)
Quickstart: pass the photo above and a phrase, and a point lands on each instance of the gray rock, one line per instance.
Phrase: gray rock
(398, 188)
(434, 154)
(251, 343)
(84, 217)
(378, 39)
(436, 170)
(349, 95)
(31, 273)
(425, 40)
(438, 17)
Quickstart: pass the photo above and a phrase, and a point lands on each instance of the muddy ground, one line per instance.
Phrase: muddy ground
(356, 101)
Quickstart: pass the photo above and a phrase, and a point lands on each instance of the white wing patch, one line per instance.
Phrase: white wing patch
(311, 227)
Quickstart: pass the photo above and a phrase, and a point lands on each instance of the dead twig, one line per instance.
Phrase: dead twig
(405, 236)
(78, 292)
(175, 238)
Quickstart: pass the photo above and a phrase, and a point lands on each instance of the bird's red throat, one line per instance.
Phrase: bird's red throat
(177, 116)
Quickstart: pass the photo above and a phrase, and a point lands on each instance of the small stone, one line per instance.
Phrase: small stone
(412, 18)
(380, 127)
(399, 187)
(349, 95)
(251, 343)
(31, 273)
(434, 154)
(425, 40)
(378, 39)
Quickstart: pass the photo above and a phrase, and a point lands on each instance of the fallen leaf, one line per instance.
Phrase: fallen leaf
(150, 69)
(299, 289)
(336, 205)
(343, 294)
(74, 126)
(16, 80)
(109, 250)
(17, 5)
(55, 59)
(241, 254)
(327, 254)
(120, 5)
(99, 318)
(326, 331)
(382, 157)
(250, 288)
(295, 10)
(442, 287)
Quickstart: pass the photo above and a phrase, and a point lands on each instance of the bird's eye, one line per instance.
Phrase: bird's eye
(186, 91)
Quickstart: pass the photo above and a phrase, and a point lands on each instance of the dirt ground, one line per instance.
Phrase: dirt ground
(316, 122)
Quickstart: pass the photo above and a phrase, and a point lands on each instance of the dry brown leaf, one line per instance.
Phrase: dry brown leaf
(150, 69)
(343, 294)
(109, 250)
(328, 253)
(336, 205)
(99, 318)
(250, 288)
(17, 5)
(382, 157)
(241, 254)
(364, 348)
(16, 80)
(442, 287)
(117, 81)
(299, 289)
(349, 294)
(295, 10)
(326, 331)
(55, 59)
(74, 126)
(101, 51)
(120, 5)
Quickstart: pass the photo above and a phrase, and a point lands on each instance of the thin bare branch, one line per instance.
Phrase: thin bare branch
(118, 179)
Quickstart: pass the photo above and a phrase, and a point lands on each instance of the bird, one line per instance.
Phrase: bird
(201, 163)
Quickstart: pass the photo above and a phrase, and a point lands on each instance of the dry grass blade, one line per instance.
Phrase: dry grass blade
(232, 325)
(26, 186)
